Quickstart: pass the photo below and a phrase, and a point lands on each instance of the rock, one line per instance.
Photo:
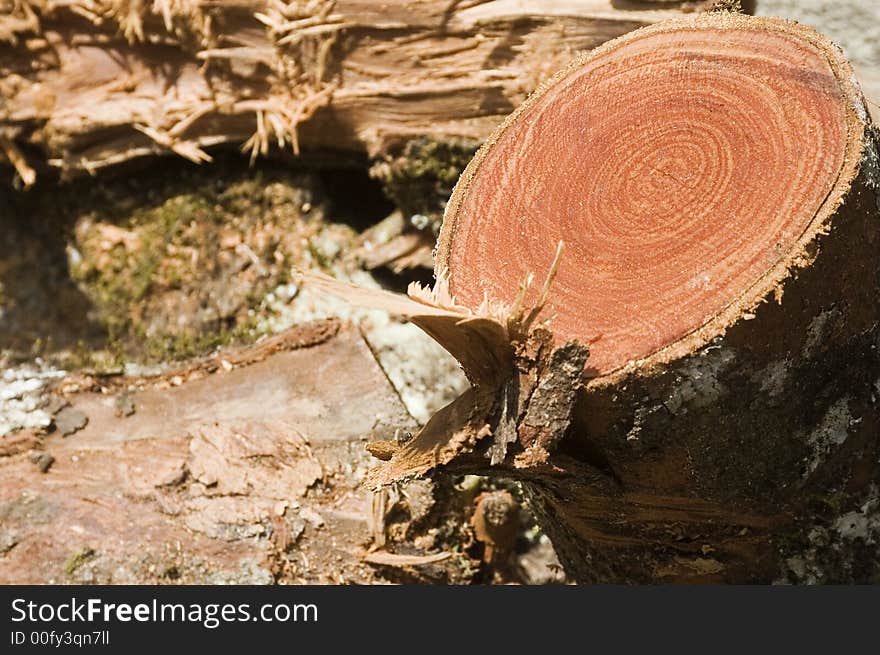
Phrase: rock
(124, 404)
(43, 461)
(310, 515)
(8, 541)
(70, 420)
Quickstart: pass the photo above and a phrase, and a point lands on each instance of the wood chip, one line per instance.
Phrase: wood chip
(392, 559)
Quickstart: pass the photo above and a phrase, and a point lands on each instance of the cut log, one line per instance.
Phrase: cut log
(715, 181)
(717, 184)
(89, 84)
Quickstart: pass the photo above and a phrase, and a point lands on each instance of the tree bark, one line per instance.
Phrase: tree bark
(715, 181)
(88, 84)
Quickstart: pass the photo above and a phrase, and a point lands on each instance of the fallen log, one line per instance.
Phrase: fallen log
(89, 84)
(716, 183)
(209, 476)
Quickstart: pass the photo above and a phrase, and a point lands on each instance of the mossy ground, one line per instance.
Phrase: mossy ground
(175, 261)
(164, 266)
(422, 177)
(186, 275)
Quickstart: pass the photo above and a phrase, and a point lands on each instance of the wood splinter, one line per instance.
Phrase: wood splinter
(523, 387)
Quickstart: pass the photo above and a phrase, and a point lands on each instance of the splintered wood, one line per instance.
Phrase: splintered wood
(523, 387)
(88, 84)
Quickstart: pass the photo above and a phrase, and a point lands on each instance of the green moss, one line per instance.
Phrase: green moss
(77, 559)
(191, 344)
(422, 178)
(183, 271)
(831, 503)
(169, 263)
